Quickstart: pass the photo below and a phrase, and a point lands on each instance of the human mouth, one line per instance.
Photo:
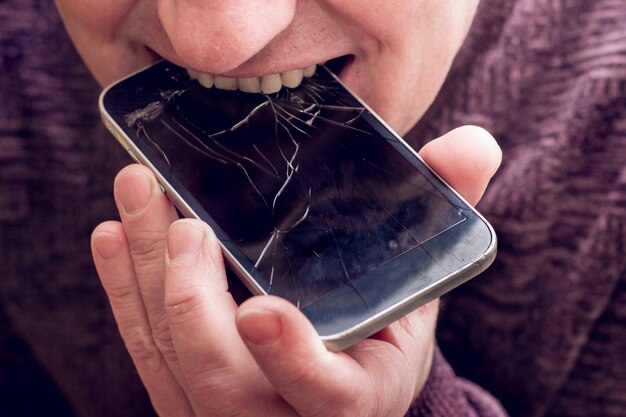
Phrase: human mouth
(266, 84)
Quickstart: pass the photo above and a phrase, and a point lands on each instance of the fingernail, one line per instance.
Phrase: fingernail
(184, 240)
(108, 245)
(260, 327)
(135, 192)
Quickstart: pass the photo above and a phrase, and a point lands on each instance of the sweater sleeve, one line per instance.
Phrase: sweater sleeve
(446, 395)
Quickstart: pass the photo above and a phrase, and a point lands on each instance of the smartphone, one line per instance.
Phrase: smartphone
(312, 196)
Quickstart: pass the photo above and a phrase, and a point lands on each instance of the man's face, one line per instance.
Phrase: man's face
(400, 51)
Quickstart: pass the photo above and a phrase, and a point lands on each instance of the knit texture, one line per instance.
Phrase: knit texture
(541, 333)
(543, 329)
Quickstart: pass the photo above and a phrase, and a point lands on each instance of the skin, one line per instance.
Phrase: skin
(197, 352)
(402, 50)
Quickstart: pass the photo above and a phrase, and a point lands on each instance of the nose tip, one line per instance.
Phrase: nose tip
(215, 36)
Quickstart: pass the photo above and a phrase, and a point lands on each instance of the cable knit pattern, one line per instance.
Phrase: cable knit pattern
(540, 334)
(56, 175)
(543, 329)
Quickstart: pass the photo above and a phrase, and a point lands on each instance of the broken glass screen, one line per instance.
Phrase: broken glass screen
(305, 183)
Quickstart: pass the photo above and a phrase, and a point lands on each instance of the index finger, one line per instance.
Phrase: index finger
(466, 158)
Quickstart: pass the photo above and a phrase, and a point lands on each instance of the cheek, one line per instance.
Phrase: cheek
(102, 17)
(416, 43)
(390, 24)
(100, 33)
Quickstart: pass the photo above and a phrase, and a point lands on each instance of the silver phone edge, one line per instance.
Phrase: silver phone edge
(348, 337)
(379, 321)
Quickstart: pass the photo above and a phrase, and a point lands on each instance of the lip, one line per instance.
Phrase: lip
(256, 66)
(336, 64)
(287, 51)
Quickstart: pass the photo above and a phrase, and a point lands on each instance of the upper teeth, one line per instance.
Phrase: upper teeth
(266, 84)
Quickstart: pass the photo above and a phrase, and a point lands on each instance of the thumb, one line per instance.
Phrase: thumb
(294, 359)
(466, 158)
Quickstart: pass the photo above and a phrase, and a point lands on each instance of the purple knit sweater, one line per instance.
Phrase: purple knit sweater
(541, 333)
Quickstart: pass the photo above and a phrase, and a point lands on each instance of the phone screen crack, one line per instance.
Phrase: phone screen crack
(298, 180)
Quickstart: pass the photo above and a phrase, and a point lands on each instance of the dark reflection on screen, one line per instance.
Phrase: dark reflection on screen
(299, 180)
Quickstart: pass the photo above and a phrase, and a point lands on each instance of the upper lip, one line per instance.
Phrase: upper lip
(260, 67)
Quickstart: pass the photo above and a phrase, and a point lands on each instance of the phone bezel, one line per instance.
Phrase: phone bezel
(340, 334)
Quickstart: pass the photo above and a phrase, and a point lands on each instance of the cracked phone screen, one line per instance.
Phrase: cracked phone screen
(305, 183)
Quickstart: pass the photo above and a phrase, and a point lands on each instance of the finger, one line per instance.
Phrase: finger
(218, 369)
(115, 268)
(466, 158)
(295, 361)
(146, 215)
(408, 345)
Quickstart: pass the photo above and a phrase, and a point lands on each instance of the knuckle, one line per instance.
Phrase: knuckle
(218, 381)
(163, 340)
(122, 294)
(147, 245)
(184, 304)
(143, 350)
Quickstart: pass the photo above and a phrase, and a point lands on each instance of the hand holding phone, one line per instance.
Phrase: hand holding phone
(181, 326)
(312, 197)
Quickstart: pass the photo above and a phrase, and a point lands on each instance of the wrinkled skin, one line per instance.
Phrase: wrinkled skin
(402, 49)
(197, 352)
